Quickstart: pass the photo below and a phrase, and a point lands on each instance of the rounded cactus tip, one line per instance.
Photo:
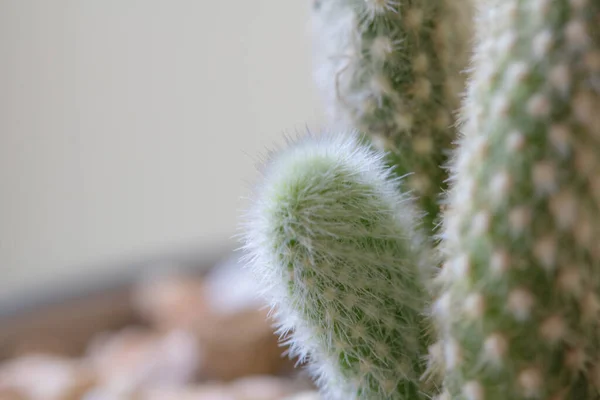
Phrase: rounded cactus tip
(337, 247)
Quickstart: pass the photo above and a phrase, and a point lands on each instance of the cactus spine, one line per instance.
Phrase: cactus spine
(337, 248)
(391, 69)
(520, 306)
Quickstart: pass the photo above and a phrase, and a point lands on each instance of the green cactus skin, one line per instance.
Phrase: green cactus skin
(392, 69)
(520, 308)
(338, 250)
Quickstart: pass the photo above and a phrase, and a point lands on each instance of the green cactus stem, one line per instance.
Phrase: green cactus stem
(392, 69)
(520, 308)
(338, 250)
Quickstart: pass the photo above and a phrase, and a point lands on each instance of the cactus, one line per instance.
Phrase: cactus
(391, 69)
(520, 303)
(338, 249)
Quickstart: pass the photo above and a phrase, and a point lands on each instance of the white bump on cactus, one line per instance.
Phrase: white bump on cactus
(495, 347)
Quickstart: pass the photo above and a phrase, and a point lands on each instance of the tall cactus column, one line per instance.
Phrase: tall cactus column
(392, 69)
(520, 307)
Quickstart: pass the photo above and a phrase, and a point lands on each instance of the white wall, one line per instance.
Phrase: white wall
(130, 127)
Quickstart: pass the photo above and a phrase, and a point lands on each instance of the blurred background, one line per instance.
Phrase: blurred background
(130, 128)
(129, 131)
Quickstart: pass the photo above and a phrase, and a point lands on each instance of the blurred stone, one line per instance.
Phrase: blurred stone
(262, 388)
(43, 345)
(11, 394)
(202, 392)
(135, 358)
(249, 388)
(231, 289)
(44, 377)
(171, 301)
(239, 345)
(108, 393)
(308, 395)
